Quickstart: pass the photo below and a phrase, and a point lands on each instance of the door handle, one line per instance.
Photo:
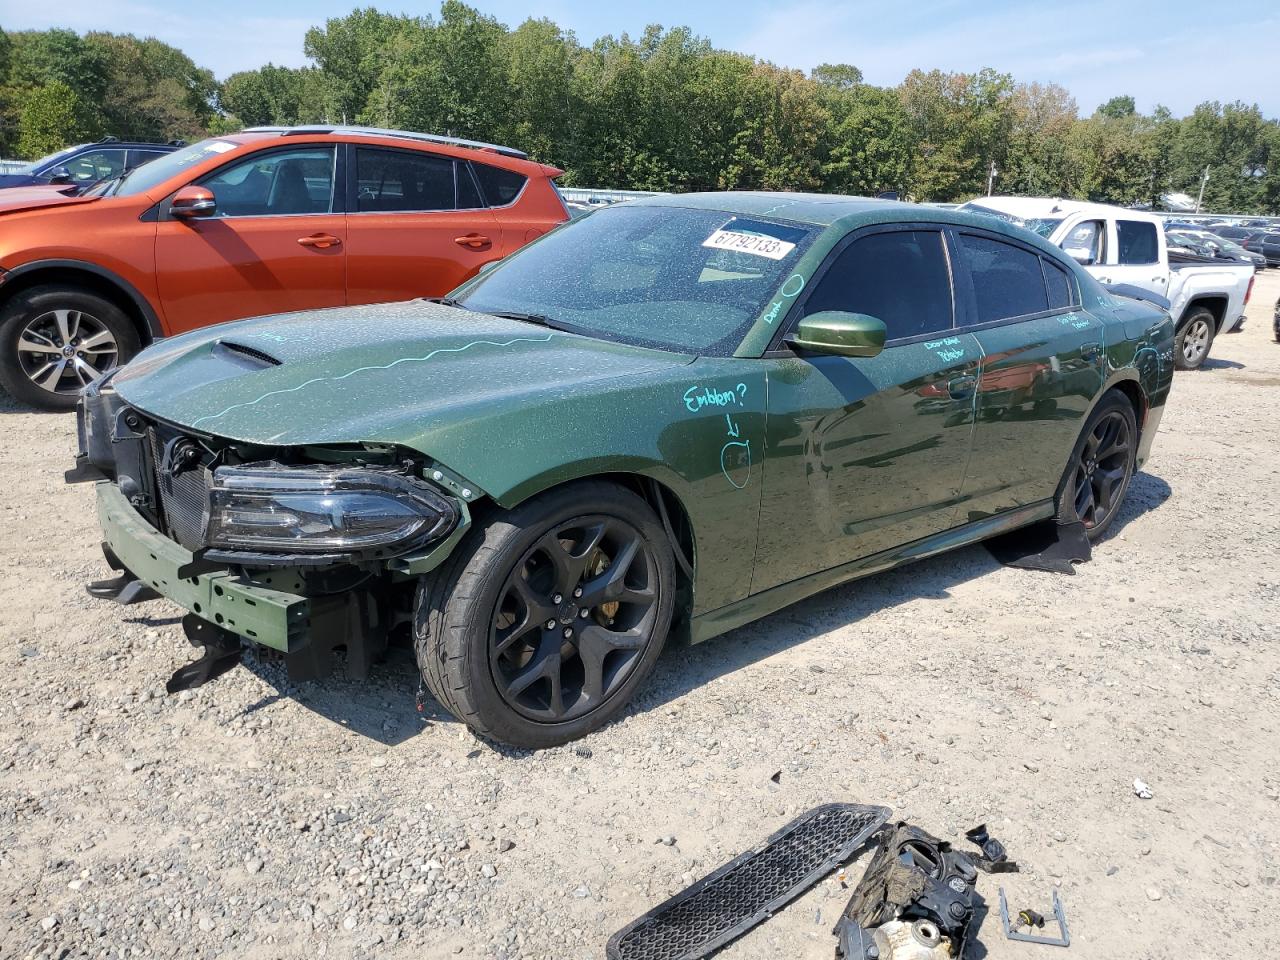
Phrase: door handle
(474, 241)
(321, 240)
(1090, 351)
(961, 388)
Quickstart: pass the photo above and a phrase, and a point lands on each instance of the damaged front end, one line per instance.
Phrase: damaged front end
(311, 552)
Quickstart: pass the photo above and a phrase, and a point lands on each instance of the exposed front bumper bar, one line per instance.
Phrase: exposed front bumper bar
(270, 617)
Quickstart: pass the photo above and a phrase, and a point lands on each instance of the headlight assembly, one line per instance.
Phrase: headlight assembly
(269, 507)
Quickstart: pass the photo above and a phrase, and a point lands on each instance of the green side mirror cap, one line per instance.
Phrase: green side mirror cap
(840, 333)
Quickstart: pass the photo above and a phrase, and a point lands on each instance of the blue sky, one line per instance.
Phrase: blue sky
(1174, 52)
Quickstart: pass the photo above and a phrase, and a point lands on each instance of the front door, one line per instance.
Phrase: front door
(865, 454)
(275, 243)
(417, 226)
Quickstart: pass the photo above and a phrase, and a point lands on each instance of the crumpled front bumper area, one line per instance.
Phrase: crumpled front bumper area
(273, 618)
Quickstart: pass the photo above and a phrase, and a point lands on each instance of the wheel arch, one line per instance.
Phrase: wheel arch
(98, 279)
(659, 494)
(1216, 305)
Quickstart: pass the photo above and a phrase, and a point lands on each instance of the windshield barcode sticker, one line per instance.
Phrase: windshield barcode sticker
(753, 243)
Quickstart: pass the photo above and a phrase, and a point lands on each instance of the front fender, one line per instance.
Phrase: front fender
(699, 432)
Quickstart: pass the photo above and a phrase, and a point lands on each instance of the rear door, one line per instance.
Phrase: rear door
(1042, 367)
(1138, 256)
(274, 245)
(417, 225)
(865, 454)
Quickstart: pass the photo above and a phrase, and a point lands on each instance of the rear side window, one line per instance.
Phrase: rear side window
(1136, 242)
(1059, 285)
(500, 186)
(1007, 281)
(900, 277)
(404, 181)
(468, 193)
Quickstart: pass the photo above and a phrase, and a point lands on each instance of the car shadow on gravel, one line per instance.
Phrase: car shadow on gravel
(1213, 363)
(685, 669)
(381, 708)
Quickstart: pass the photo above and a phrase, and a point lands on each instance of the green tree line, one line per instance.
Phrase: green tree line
(662, 111)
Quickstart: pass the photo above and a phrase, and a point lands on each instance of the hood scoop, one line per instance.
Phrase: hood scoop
(250, 358)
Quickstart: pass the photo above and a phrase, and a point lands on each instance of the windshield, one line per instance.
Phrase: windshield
(674, 278)
(1041, 225)
(143, 178)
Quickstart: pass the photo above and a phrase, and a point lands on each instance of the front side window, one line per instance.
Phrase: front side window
(899, 277)
(1086, 243)
(95, 165)
(275, 183)
(403, 180)
(1136, 242)
(1007, 280)
(674, 278)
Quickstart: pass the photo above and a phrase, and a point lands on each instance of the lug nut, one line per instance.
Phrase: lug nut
(551, 624)
(568, 632)
(557, 599)
(577, 591)
(584, 614)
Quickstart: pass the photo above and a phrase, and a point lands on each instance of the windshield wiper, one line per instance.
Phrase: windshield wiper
(541, 319)
(445, 302)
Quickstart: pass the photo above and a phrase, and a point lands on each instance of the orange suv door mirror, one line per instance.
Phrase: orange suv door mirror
(192, 202)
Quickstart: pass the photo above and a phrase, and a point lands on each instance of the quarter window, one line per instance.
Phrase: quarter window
(397, 180)
(1059, 285)
(500, 186)
(276, 183)
(1007, 281)
(1137, 242)
(900, 277)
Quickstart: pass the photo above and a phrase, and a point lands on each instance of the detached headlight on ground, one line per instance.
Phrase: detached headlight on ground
(321, 509)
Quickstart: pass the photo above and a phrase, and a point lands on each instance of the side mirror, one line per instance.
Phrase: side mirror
(192, 202)
(839, 333)
(60, 175)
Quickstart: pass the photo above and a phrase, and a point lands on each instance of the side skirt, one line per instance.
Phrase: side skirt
(715, 622)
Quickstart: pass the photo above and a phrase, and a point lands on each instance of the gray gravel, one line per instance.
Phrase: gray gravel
(256, 818)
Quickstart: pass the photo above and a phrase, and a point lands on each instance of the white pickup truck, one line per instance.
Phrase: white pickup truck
(1120, 246)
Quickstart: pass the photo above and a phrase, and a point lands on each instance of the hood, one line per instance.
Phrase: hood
(35, 196)
(390, 373)
(16, 179)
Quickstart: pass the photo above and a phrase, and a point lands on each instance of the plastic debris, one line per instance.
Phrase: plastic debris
(1141, 790)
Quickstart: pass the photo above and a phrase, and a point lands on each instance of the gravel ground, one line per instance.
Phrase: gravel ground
(259, 819)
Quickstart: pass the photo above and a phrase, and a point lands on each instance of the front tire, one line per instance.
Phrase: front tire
(1101, 466)
(1194, 338)
(547, 618)
(55, 339)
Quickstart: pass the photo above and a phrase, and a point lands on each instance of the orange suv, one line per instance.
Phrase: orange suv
(266, 221)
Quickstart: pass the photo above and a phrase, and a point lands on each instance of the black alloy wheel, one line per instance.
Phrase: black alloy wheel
(1102, 469)
(574, 618)
(548, 617)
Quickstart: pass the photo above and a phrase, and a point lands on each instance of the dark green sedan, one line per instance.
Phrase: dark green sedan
(672, 416)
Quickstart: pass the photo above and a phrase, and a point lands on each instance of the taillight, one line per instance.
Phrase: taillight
(1249, 293)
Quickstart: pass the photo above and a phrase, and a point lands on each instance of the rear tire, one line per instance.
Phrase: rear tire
(1101, 466)
(55, 339)
(547, 618)
(1194, 338)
